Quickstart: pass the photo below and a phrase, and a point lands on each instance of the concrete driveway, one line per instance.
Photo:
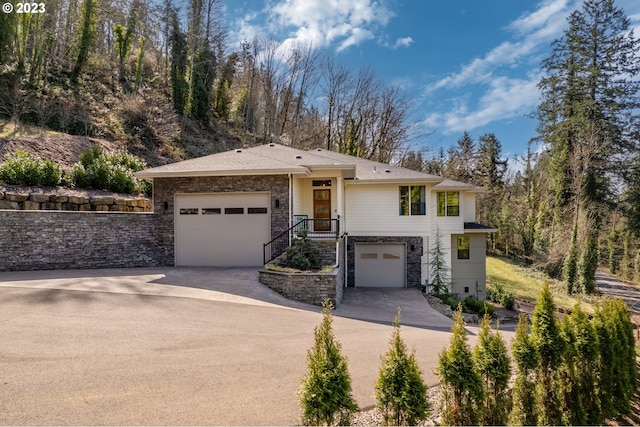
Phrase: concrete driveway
(169, 346)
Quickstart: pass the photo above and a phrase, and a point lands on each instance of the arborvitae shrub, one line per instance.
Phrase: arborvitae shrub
(401, 394)
(523, 410)
(493, 365)
(546, 339)
(461, 385)
(325, 393)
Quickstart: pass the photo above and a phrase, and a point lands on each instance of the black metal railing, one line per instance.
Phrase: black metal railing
(313, 228)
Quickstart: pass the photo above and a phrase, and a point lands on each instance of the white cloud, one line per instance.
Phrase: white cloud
(402, 42)
(536, 30)
(323, 22)
(506, 98)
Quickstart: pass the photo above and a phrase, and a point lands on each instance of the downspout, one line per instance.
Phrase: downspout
(345, 259)
(290, 206)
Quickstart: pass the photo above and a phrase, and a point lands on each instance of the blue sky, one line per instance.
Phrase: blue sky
(467, 64)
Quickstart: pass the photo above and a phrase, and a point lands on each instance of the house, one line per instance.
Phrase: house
(242, 207)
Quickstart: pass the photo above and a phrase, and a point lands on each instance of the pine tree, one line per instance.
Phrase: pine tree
(401, 394)
(545, 336)
(461, 386)
(325, 393)
(439, 272)
(523, 410)
(493, 365)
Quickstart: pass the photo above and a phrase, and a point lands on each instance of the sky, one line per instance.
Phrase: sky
(469, 65)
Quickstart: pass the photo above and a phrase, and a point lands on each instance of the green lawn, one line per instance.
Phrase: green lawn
(525, 284)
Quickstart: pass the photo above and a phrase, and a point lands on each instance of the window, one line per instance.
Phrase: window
(463, 247)
(233, 211)
(188, 211)
(257, 210)
(449, 203)
(211, 211)
(412, 200)
(321, 183)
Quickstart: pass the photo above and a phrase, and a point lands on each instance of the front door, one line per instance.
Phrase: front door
(322, 210)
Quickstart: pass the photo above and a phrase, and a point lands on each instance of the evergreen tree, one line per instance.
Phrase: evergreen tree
(588, 264)
(325, 393)
(577, 372)
(178, 41)
(87, 36)
(545, 336)
(461, 164)
(461, 386)
(439, 272)
(570, 267)
(493, 365)
(401, 394)
(523, 410)
(589, 98)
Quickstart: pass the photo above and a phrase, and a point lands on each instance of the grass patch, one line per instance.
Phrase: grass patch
(525, 283)
(9, 129)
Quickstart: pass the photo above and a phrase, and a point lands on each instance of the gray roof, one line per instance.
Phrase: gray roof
(276, 159)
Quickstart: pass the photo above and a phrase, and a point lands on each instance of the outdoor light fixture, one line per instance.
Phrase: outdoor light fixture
(166, 205)
(277, 203)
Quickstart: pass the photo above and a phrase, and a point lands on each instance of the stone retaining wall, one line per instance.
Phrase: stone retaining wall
(310, 288)
(43, 201)
(38, 240)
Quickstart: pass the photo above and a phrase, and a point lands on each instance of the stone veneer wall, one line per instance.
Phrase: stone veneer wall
(165, 189)
(43, 201)
(37, 240)
(414, 257)
(310, 288)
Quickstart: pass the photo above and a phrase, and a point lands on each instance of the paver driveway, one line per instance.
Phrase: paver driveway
(182, 346)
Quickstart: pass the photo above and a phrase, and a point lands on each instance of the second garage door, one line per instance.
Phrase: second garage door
(222, 229)
(381, 265)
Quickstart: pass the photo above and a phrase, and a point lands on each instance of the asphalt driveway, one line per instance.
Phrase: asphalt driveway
(178, 346)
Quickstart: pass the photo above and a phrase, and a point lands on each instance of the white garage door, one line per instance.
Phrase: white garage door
(222, 229)
(381, 265)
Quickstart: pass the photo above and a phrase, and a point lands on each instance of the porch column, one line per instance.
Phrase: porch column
(340, 207)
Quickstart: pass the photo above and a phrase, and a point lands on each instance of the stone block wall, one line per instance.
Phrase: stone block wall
(414, 256)
(310, 288)
(38, 240)
(32, 201)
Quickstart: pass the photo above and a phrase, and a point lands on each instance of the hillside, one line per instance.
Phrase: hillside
(145, 125)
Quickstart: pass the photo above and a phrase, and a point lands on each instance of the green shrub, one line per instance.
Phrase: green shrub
(401, 394)
(325, 393)
(450, 300)
(111, 172)
(20, 168)
(303, 254)
(474, 305)
(492, 362)
(498, 294)
(461, 386)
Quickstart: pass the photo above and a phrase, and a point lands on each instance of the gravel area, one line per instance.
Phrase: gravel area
(373, 417)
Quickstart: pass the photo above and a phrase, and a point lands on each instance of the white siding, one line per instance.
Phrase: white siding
(373, 210)
(468, 207)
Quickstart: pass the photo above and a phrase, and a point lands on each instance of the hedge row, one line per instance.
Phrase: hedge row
(95, 170)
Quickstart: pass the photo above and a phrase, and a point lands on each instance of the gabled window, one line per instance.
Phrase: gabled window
(449, 203)
(412, 200)
(463, 247)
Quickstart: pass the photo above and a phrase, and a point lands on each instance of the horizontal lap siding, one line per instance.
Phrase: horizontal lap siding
(35, 240)
(374, 210)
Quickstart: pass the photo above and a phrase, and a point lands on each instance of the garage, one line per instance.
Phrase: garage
(380, 265)
(221, 229)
